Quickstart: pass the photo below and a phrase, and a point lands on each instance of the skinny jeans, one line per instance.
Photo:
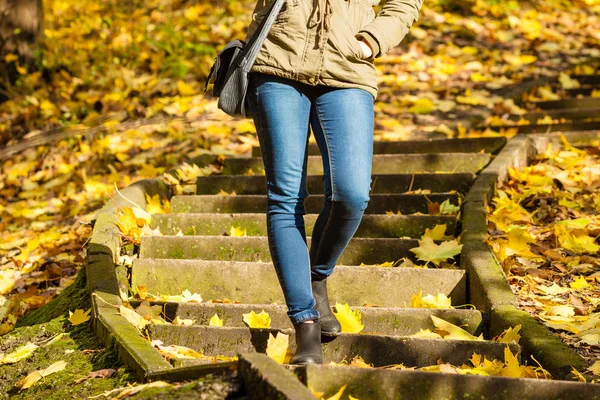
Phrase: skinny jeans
(342, 121)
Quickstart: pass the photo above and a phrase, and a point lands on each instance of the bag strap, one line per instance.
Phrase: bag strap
(258, 37)
(250, 50)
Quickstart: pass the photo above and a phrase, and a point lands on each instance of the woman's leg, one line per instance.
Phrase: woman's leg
(343, 124)
(281, 111)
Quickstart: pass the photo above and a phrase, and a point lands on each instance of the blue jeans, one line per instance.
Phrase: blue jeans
(342, 120)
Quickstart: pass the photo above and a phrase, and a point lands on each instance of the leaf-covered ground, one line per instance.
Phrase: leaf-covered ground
(120, 88)
(544, 231)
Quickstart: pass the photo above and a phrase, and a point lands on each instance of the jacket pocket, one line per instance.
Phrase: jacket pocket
(358, 13)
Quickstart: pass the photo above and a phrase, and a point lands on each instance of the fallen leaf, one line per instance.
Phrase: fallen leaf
(437, 233)
(429, 301)
(35, 376)
(215, 321)
(510, 334)
(79, 316)
(101, 373)
(259, 321)
(350, 320)
(451, 331)
(277, 347)
(19, 354)
(428, 251)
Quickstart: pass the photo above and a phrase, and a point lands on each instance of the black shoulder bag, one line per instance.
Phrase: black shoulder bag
(229, 73)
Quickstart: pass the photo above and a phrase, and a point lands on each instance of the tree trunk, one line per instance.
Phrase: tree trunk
(20, 27)
(20, 31)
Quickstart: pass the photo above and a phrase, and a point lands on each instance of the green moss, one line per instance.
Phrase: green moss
(176, 253)
(73, 297)
(77, 346)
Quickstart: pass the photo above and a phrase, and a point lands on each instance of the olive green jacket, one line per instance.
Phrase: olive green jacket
(317, 41)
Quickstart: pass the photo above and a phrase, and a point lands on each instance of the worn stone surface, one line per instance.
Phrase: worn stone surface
(387, 321)
(488, 287)
(420, 385)
(256, 282)
(372, 225)
(378, 350)
(241, 184)
(460, 145)
(515, 155)
(256, 248)
(137, 352)
(474, 222)
(264, 378)
(382, 163)
(187, 371)
(378, 203)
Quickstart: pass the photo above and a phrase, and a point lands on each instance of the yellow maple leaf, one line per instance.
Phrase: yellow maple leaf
(429, 301)
(130, 222)
(215, 321)
(259, 321)
(579, 283)
(19, 354)
(437, 233)
(350, 320)
(581, 243)
(155, 205)
(277, 347)
(79, 316)
(237, 231)
(510, 334)
(512, 368)
(428, 251)
(451, 331)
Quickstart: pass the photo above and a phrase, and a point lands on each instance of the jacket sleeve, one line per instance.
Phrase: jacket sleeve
(390, 25)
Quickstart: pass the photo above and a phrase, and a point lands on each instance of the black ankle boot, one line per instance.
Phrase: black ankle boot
(308, 344)
(329, 323)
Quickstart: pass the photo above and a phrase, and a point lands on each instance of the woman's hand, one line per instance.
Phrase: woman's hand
(365, 47)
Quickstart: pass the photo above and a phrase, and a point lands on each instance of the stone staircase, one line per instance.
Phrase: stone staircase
(234, 274)
(407, 177)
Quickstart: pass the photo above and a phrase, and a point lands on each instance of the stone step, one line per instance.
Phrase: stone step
(463, 145)
(378, 204)
(378, 350)
(569, 103)
(400, 183)
(388, 384)
(376, 226)
(546, 128)
(256, 282)
(573, 114)
(256, 248)
(587, 79)
(383, 164)
(380, 320)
